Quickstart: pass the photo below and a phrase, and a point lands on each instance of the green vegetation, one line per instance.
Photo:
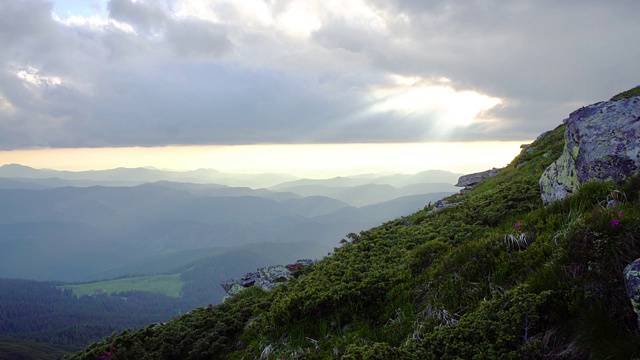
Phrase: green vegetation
(40, 312)
(21, 350)
(169, 285)
(74, 316)
(627, 94)
(498, 276)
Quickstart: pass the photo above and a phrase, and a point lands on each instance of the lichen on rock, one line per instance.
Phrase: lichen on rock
(602, 142)
(632, 284)
(266, 278)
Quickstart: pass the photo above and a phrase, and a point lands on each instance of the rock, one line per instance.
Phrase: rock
(632, 284)
(470, 180)
(542, 135)
(305, 262)
(441, 204)
(300, 263)
(602, 142)
(267, 278)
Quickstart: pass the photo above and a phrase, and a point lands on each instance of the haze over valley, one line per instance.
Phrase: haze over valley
(74, 226)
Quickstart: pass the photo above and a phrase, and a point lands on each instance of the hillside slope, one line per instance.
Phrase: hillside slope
(498, 276)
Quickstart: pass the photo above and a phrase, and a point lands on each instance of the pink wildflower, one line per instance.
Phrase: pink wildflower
(615, 222)
(517, 224)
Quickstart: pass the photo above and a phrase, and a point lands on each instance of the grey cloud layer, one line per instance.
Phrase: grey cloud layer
(148, 77)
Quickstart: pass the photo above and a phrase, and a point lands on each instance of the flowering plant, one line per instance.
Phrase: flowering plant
(614, 221)
(106, 356)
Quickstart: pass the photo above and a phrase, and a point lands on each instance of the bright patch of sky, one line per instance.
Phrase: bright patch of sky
(414, 96)
(80, 8)
(33, 76)
(314, 161)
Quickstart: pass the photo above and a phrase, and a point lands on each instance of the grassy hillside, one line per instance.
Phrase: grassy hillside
(498, 276)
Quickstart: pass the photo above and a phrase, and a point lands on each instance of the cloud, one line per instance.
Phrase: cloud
(244, 72)
(145, 16)
(196, 39)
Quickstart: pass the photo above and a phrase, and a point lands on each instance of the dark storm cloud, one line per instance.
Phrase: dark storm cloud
(224, 72)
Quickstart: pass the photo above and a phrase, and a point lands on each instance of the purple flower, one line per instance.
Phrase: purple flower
(619, 213)
(615, 222)
(517, 224)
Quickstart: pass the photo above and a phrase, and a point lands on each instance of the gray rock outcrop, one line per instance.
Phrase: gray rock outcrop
(267, 278)
(441, 204)
(602, 142)
(471, 180)
(632, 284)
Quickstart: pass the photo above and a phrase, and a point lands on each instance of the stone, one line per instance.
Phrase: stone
(441, 204)
(471, 180)
(602, 142)
(632, 284)
(267, 278)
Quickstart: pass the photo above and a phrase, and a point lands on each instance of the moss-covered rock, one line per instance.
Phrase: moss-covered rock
(602, 142)
(632, 283)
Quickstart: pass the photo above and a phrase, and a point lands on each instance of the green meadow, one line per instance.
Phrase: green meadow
(165, 284)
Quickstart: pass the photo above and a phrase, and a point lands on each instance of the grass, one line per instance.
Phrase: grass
(11, 349)
(165, 284)
(627, 94)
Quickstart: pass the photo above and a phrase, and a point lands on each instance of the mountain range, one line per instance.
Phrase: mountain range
(75, 226)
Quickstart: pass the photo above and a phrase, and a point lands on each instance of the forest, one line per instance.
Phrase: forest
(41, 312)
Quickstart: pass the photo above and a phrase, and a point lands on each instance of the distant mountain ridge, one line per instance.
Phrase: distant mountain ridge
(273, 181)
(136, 176)
(42, 216)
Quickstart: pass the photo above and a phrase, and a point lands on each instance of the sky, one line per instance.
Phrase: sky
(272, 84)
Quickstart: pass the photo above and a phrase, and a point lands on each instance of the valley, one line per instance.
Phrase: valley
(166, 238)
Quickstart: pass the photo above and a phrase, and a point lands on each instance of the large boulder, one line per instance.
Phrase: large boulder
(632, 283)
(602, 142)
(470, 180)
